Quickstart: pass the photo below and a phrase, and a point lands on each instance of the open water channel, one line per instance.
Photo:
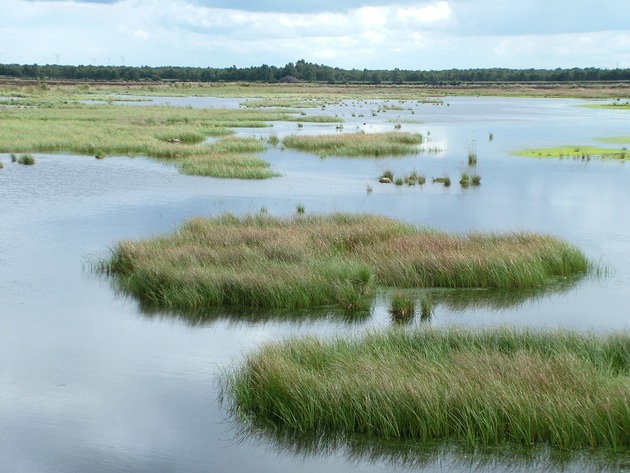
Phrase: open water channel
(90, 381)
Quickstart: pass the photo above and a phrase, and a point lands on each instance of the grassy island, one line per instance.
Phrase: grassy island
(576, 152)
(335, 260)
(357, 144)
(476, 387)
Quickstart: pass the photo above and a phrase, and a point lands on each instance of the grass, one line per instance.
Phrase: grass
(578, 152)
(475, 387)
(333, 260)
(55, 125)
(443, 180)
(402, 307)
(470, 179)
(472, 154)
(26, 159)
(357, 144)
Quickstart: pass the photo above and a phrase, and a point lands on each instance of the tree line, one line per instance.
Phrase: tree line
(307, 72)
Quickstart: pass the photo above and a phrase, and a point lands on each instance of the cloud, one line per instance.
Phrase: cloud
(428, 34)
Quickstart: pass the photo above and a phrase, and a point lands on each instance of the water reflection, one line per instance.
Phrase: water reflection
(433, 456)
(423, 303)
(240, 315)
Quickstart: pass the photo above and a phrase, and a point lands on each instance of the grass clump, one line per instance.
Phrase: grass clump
(402, 306)
(357, 144)
(443, 180)
(26, 159)
(315, 260)
(470, 179)
(474, 387)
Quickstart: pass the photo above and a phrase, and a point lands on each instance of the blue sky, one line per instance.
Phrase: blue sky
(372, 34)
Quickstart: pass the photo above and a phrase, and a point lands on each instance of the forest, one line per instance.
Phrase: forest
(305, 72)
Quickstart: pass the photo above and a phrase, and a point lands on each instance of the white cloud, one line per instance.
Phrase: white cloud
(447, 33)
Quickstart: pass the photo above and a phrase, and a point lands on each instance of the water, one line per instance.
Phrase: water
(91, 381)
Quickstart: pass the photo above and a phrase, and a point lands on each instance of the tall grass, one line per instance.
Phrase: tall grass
(476, 387)
(336, 260)
(357, 144)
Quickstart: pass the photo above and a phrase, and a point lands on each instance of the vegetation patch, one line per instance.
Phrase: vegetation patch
(577, 152)
(615, 140)
(26, 159)
(170, 133)
(357, 144)
(336, 260)
(476, 387)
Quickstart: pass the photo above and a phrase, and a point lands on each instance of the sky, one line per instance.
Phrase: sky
(361, 34)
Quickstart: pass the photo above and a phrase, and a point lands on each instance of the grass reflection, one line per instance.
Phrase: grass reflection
(445, 456)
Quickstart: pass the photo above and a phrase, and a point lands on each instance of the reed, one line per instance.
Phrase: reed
(402, 306)
(475, 387)
(325, 260)
(357, 144)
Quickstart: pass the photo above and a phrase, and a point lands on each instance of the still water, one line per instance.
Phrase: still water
(92, 382)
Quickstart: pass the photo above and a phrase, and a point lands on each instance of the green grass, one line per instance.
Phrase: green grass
(170, 133)
(624, 140)
(573, 151)
(475, 387)
(26, 159)
(357, 144)
(317, 260)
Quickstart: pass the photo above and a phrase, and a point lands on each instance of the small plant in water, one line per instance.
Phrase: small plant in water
(443, 180)
(426, 307)
(13, 158)
(399, 181)
(465, 180)
(475, 179)
(402, 307)
(273, 140)
(26, 159)
(300, 209)
(472, 154)
(490, 136)
(387, 177)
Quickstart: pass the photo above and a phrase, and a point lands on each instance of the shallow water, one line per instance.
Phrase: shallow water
(91, 381)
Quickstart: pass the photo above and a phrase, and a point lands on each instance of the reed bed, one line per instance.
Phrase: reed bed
(357, 144)
(476, 387)
(325, 260)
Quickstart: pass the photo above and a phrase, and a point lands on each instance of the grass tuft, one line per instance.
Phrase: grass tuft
(26, 159)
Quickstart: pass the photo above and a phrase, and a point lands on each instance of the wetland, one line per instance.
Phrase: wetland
(96, 378)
